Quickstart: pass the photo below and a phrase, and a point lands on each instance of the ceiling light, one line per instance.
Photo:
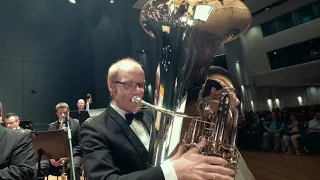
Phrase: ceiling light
(203, 12)
(111, 1)
(72, 1)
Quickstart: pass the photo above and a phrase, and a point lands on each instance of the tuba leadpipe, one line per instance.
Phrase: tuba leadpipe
(138, 100)
(193, 100)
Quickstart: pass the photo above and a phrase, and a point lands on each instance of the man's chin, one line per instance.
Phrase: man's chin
(137, 108)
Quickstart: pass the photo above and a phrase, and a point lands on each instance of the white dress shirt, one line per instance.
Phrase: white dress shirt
(62, 125)
(16, 128)
(141, 131)
(314, 123)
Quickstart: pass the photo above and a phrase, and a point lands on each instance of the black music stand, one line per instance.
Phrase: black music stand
(26, 124)
(45, 143)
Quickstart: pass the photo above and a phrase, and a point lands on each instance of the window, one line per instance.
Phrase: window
(295, 54)
(289, 20)
(317, 8)
(220, 61)
(285, 22)
(269, 28)
(305, 14)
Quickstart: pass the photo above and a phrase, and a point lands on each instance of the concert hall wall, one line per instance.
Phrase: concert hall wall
(248, 56)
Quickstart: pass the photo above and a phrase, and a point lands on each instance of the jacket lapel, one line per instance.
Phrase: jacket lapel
(131, 136)
(146, 121)
(2, 131)
(56, 125)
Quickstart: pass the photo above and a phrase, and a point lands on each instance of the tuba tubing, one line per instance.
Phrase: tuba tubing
(188, 33)
(138, 100)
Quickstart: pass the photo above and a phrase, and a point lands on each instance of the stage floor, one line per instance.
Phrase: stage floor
(270, 166)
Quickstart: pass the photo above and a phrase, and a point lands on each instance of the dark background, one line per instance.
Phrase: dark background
(53, 51)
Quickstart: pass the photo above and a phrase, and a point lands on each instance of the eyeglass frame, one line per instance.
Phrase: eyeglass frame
(10, 123)
(140, 85)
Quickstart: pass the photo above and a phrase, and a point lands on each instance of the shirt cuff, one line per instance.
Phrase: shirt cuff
(168, 170)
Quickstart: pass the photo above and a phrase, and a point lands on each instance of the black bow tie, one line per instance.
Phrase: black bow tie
(130, 116)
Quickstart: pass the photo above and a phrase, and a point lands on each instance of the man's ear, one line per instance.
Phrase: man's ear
(112, 88)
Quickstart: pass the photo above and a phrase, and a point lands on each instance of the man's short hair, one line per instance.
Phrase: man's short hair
(81, 100)
(114, 68)
(62, 105)
(9, 115)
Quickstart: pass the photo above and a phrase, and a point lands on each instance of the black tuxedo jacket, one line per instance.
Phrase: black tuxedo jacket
(113, 151)
(75, 134)
(17, 159)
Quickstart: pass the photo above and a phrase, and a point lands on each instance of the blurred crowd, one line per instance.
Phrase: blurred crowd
(288, 130)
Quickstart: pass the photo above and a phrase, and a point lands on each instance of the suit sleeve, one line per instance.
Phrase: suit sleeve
(50, 127)
(77, 148)
(98, 161)
(22, 165)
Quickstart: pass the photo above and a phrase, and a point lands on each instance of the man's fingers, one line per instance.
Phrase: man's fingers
(202, 143)
(215, 160)
(216, 176)
(219, 169)
(179, 152)
(197, 148)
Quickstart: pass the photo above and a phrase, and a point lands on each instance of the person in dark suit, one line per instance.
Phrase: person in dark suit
(116, 142)
(17, 159)
(53, 166)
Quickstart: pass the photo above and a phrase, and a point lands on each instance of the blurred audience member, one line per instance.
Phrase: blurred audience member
(255, 133)
(273, 129)
(312, 139)
(242, 129)
(291, 134)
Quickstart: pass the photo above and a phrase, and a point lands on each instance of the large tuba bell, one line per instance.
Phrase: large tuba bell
(188, 33)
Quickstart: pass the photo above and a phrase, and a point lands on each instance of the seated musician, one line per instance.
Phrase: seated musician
(17, 159)
(81, 114)
(54, 166)
(81, 105)
(12, 122)
(116, 142)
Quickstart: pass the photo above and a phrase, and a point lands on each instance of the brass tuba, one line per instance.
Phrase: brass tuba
(193, 100)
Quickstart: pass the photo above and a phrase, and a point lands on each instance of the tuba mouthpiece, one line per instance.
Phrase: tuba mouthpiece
(136, 100)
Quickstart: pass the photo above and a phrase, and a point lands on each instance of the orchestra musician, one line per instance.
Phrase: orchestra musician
(17, 159)
(81, 105)
(81, 114)
(12, 121)
(116, 142)
(54, 167)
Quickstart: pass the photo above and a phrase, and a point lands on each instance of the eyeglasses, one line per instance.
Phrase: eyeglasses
(9, 123)
(132, 85)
